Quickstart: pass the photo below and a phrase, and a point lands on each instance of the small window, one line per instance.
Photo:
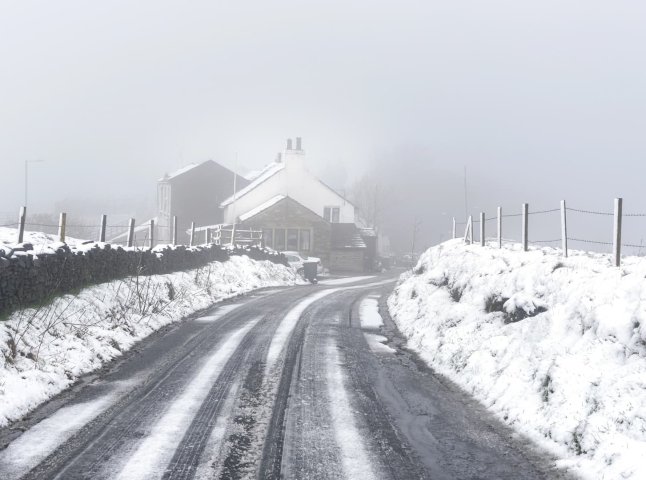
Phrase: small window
(332, 214)
(279, 239)
(268, 237)
(292, 239)
(305, 241)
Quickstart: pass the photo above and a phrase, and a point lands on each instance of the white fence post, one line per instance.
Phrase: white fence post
(104, 223)
(174, 232)
(525, 227)
(454, 229)
(61, 227)
(499, 227)
(482, 229)
(617, 233)
(151, 233)
(207, 233)
(564, 228)
(192, 234)
(468, 231)
(21, 224)
(131, 232)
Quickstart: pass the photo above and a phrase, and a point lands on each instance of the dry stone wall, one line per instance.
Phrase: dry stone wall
(28, 278)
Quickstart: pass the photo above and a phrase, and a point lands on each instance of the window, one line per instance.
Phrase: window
(279, 239)
(305, 241)
(292, 239)
(332, 214)
(268, 237)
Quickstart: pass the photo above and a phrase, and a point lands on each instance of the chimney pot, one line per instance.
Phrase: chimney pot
(289, 144)
(298, 143)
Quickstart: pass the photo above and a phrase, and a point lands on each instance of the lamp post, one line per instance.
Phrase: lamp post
(27, 162)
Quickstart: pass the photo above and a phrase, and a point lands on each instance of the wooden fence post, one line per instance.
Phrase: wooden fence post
(525, 227)
(104, 223)
(617, 233)
(151, 233)
(454, 229)
(22, 217)
(174, 232)
(499, 227)
(468, 232)
(482, 229)
(564, 228)
(192, 234)
(131, 232)
(61, 227)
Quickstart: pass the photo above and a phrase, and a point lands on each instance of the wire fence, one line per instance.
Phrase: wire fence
(560, 227)
(41, 230)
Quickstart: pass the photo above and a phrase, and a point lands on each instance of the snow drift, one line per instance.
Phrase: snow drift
(46, 349)
(555, 347)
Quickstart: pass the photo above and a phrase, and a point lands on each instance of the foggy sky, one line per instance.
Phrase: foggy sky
(541, 100)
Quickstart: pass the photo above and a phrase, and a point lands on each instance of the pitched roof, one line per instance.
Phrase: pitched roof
(346, 235)
(179, 172)
(268, 172)
(260, 208)
(207, 163)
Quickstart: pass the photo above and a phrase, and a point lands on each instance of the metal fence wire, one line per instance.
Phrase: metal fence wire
(617, 242)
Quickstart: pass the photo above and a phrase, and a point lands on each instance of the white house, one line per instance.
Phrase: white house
(288, 176)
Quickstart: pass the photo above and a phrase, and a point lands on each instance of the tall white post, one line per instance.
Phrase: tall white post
(174, 230)
(564, 228)
(192, 234)
(454, 229)
(617, 233)
(525, 227)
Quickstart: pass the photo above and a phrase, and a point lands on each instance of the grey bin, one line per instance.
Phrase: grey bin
(310, 271)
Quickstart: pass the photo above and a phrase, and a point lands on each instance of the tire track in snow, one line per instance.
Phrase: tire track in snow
(354, 457)
(37, 443)
(287, 325)
(153, 455)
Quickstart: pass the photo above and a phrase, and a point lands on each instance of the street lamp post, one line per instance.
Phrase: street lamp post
(27, 162)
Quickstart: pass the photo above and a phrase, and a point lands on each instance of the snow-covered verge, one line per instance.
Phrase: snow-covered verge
(45, 350)
(40, 241)
(555, 347)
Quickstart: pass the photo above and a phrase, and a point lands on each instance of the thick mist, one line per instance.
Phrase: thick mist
(540, 101)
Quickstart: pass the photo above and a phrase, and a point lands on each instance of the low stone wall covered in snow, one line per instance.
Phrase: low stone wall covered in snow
(28, 278)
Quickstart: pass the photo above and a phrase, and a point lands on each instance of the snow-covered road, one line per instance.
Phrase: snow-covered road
(306, 382)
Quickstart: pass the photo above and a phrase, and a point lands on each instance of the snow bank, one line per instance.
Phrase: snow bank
(45, 350)
(555, 347)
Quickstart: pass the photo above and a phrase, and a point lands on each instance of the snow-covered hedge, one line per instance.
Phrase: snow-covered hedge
(555, 347)
(44, 350)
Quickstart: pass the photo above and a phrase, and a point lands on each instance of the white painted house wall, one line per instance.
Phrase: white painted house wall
(295, 181)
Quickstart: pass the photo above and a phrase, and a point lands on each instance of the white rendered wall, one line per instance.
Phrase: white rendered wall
(296, 182)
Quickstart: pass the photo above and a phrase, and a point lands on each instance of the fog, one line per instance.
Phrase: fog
(539, 100)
